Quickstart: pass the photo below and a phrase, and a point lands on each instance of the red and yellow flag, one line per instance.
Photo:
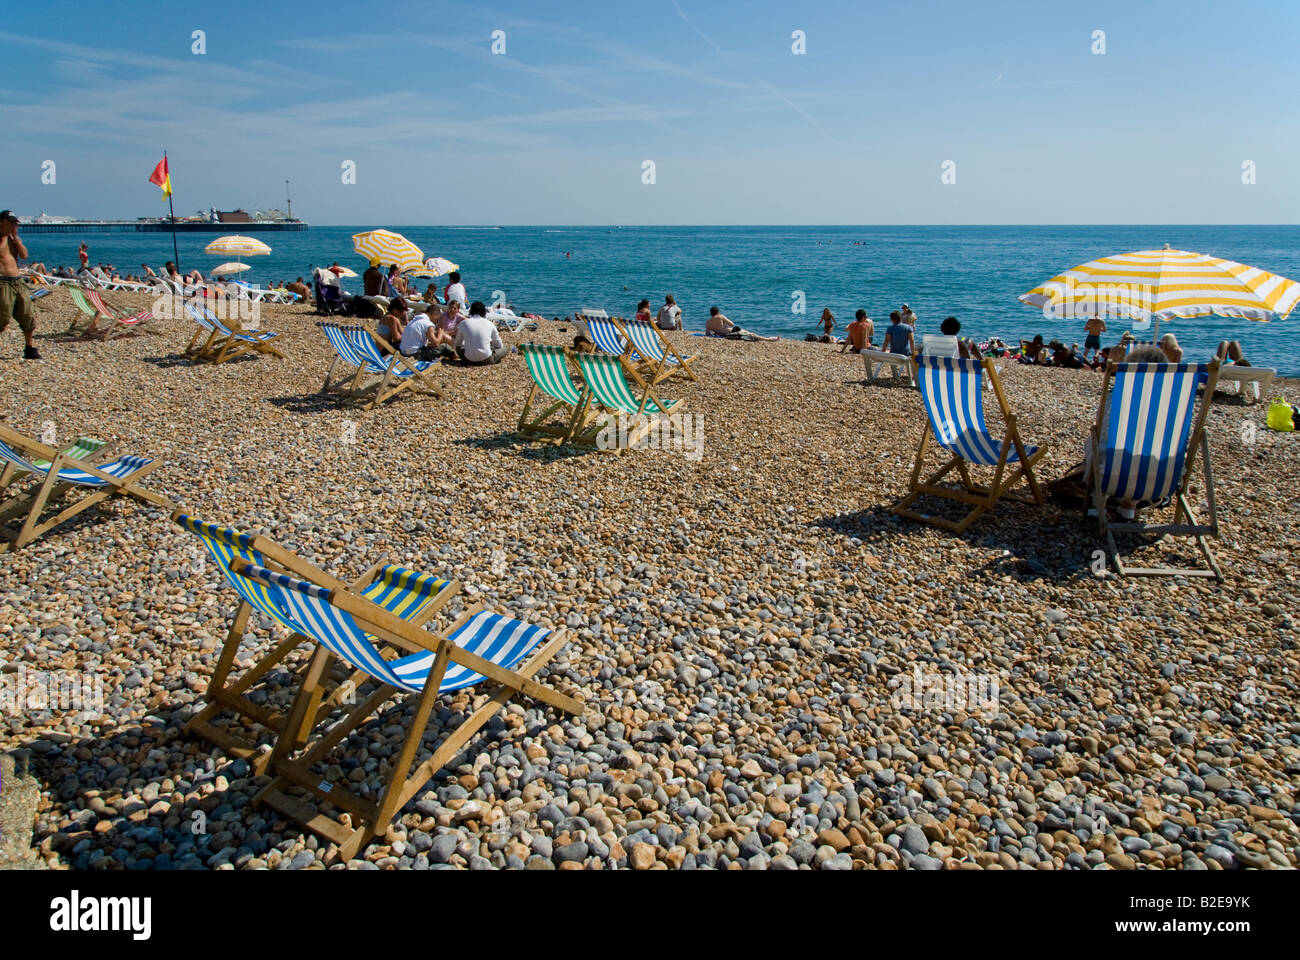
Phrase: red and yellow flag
(162, 177)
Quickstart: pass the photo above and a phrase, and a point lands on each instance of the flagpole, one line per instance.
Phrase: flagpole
(171, 206)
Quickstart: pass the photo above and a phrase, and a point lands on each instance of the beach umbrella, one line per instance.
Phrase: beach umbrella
(237, 247)
(388, 247)
(1156, 285)
(437, 266)
(229, 268)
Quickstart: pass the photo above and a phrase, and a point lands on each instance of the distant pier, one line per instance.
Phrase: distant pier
(160, 226)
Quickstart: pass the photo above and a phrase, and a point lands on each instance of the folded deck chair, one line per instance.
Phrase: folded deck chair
(659, 358)
(376, 377)
(1258, 379)
(59, 474)
(607, 387)
(223, 342)
(549, 369)
(479, 646)
(122, 324)
(415, 597)
(953, 397)
(900, 364)
(1142, 450)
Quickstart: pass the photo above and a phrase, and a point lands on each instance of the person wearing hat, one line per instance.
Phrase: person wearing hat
(372, 281)
(15, 298)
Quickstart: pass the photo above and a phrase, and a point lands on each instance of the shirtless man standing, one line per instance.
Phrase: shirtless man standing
(1094, 328)
(15, 299)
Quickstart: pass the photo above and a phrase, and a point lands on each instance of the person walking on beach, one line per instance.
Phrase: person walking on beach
(828, 326)
(900, 337)
(908, 316)
(83, 252)
(1094, 328)
(478, 341)
(15, 298)
(860, 333)
(670, 315)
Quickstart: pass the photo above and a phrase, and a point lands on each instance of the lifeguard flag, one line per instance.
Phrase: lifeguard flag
(162, 177)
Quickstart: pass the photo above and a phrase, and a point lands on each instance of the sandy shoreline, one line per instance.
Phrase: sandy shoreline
(738, 622)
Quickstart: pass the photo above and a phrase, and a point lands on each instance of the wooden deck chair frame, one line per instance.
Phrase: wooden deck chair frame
(222, 346)
(51, 490)
(981, 498)
(384, 383)
(121, 323)
(227, 694)
(1185, 522)
(642, 419)
(648, 370)
(576, 428)
(372, 818)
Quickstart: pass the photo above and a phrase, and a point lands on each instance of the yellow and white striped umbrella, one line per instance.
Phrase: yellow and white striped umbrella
(236, 246)
(388, 247)
(1163, 284)
(226, 268)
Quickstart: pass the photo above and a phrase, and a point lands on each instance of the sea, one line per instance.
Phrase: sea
(773, 279)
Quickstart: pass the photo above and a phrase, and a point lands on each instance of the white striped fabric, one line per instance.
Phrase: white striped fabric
(647, 342)
(342, 345)
(604, 377)
(1159, 284)
(499, 639)
(364, 345)
(606, 336)
(119, 469)
(1148, 423)
(550, 371)
(954, 402)
(388, 248)
(206, 318)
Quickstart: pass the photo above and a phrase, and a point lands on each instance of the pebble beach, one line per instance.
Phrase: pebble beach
(741, 626)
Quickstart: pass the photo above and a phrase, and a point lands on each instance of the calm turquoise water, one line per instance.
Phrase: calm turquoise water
(974, 273)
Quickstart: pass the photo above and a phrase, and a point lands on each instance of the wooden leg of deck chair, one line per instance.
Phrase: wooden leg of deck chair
(29, 530)
(311, 680)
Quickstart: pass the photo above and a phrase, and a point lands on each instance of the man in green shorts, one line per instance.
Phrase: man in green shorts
(15, 299)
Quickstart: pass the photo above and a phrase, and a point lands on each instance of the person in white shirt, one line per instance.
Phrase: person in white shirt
(670, 315)
(477, 339)
(455, 289)
(419, 332)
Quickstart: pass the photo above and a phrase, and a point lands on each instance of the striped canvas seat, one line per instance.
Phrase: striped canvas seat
(1150, 415)
(224, 343)
(126, 320)
(206, 318)
(954, 402)
(660, 359)
(495, 638)
(604, 377)
(119, 469)
(54, 474)
(549, 369)
(1141, 452)
(479, 646)
(606, 335)
(952, 395)
(342, 344)
(365, 347)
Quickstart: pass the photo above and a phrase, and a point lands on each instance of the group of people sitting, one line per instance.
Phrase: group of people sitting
(443, 333)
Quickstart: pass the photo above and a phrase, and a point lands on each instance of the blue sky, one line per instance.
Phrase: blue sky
(740, 128)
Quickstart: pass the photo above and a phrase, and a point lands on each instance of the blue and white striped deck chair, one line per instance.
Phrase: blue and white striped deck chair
(605, 333)
(414, 597)
(952, 394)
(60, 474)
(224, 342)
(479, 646)
(603, 375)
(376, 377)
(659, 358)
(549, 369)
(1141, 452)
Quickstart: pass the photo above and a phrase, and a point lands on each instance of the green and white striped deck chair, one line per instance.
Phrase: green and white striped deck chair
(415, 597)
(549, 369)
(603, 375)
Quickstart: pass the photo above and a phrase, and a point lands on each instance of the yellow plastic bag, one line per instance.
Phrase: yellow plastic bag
(1280, 416)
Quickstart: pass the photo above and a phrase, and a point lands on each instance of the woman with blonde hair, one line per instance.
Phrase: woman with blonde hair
(1169, 344)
